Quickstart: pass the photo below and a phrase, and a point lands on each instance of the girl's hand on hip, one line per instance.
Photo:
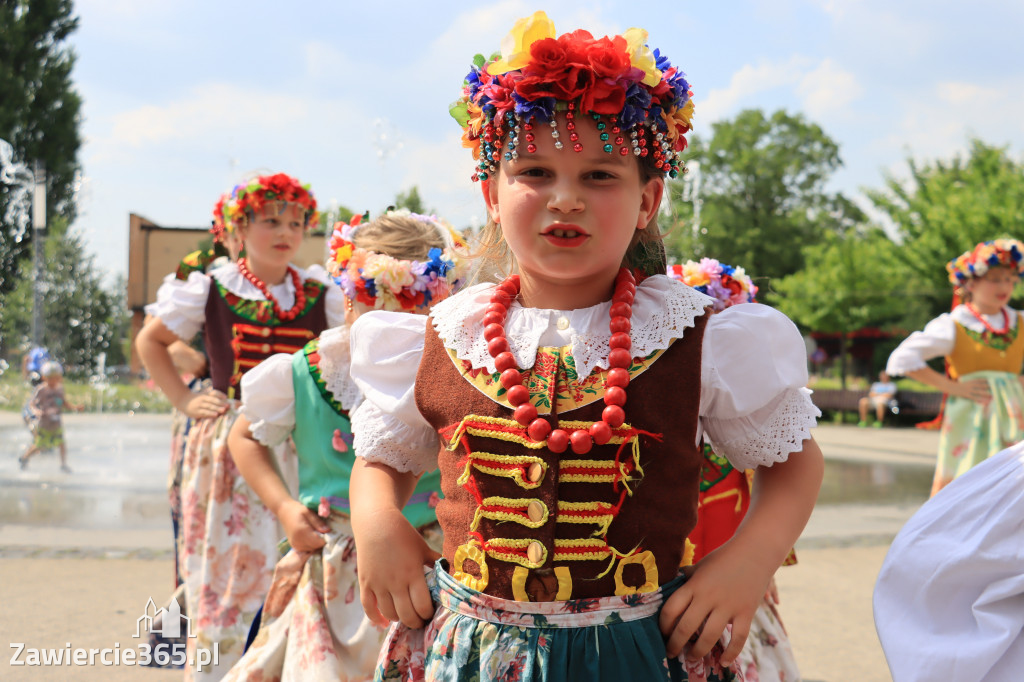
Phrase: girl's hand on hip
(390, 556)
(975, 389)
(204, 405)
(302, 526)
(722, 588)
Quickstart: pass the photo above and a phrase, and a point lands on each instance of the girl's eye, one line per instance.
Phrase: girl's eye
(533, 172)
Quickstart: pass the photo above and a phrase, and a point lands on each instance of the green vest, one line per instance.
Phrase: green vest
(323, 441)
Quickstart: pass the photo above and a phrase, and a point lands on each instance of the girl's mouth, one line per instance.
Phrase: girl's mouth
(565, 235)
(282, 247)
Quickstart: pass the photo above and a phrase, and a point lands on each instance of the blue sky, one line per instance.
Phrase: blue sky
(182, 99)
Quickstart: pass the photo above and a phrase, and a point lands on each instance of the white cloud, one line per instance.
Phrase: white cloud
(827, 89)
(822, 87)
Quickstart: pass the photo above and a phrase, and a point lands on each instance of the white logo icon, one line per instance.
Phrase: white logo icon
(165, 622)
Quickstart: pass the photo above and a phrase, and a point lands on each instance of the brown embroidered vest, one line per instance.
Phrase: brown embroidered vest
(521, 522)
(241, 333)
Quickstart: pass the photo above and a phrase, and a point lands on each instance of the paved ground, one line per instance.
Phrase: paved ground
(81, 554)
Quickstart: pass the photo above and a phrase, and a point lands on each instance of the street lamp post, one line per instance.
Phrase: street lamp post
(38, 248)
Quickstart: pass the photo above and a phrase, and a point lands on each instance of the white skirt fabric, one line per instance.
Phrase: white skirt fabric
(949, 601)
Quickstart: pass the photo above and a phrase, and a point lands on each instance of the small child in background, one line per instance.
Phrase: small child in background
(47, 406)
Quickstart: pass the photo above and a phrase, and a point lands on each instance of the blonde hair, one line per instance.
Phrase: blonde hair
(646, 250)
(400, 236)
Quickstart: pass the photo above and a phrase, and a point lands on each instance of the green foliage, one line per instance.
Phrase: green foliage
(81, 318)
(411, 200)
(851, 281)
(763, 194)
(39, 111)
(113, 397)
(948, 207)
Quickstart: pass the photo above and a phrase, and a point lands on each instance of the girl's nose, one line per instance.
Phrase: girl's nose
(565, 198)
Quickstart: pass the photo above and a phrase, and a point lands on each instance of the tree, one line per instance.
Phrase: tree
(39, 111)
(852, 281)
(80, 315)
(945, 209)
(411, 200)
(762, 188)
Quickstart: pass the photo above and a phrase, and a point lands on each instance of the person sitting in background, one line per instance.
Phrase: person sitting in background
(879, 396)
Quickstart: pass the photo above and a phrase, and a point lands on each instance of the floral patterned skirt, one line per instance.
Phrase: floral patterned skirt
(474, 636)
(971, 433)
(767, 653)
(313, 626)
(228, 543)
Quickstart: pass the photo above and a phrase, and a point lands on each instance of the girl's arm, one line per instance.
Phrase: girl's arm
(153, 343)
(254, 462)
(727, 585)
(975, 389)
(390, 553)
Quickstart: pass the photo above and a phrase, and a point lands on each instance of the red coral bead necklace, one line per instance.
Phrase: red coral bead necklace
(300, 292)
(989, 328)
(616, 379)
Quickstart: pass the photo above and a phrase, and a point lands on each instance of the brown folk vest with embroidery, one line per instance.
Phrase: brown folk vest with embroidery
(528, 524)
(240, 333)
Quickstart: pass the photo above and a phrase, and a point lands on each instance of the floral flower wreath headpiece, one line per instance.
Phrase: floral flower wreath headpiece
(282, 189)
(976, 262)
(726, 284)
(639, 101)
(386, 283)
(225, 216)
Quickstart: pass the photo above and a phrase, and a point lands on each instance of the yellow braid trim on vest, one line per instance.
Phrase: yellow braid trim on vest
(689, 551)
(472, 551)
(562, 575)
(592, 550)
(482, 462)
(724, 496)
(646, 559)
(495, 547)
(511, 431)
(518, 514)
(568, 512)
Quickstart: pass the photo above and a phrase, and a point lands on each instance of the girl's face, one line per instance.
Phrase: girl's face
(273, 236)
(570, 216)
(992, 291)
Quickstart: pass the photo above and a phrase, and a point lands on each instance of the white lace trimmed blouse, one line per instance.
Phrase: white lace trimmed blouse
(938, 337)
(181, 305)
(754, 407)
(268, 389)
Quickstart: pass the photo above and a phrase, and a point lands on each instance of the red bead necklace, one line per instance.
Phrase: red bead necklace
(616, 380)
(981, 318)
(300, 292)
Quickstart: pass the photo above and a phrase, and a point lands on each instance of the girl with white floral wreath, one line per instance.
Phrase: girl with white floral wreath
(981, 341)
(564, 406)
(313, 625)
(248, 310)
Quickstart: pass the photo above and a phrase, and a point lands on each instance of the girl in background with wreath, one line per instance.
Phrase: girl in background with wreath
(313, 626)
(725, 494)
(565, 405)
(248, 311)
(190, 361)
(981, 341)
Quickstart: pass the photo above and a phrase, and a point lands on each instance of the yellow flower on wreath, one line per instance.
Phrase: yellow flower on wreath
(515, 47)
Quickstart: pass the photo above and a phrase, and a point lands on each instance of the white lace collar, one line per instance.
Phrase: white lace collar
(231, 279)
(335, 360)
(662, 309)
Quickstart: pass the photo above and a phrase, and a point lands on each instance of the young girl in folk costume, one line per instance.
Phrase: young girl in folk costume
(313, 625)
(190, 360)
(248, 311)
(984, 348)
(564, 406)
(725, 494)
